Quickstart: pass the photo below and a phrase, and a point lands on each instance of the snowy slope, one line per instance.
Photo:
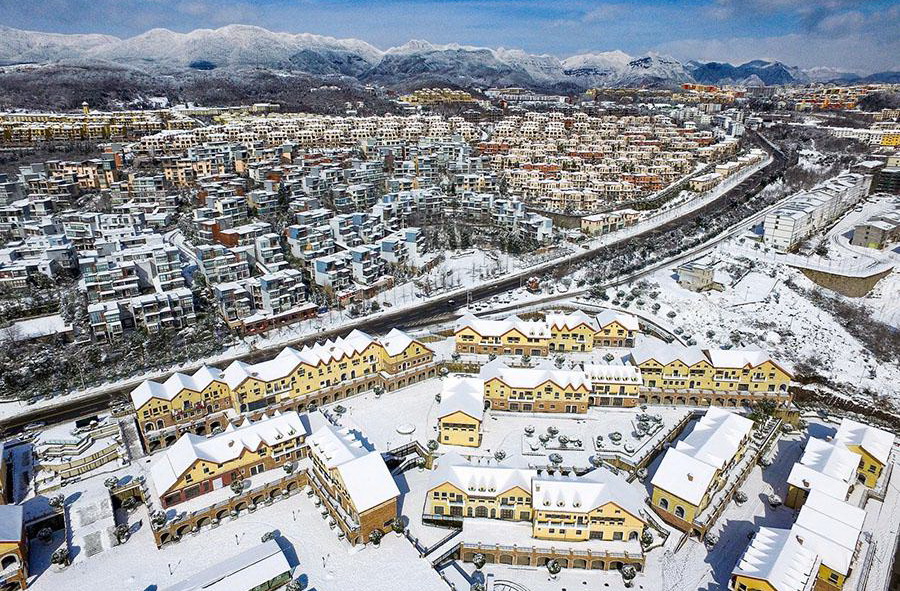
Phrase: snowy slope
(414, 62)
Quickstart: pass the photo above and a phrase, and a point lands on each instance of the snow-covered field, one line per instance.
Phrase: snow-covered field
(328, 563)
(761, 311)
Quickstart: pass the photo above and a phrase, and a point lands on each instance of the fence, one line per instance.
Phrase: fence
(247, 502)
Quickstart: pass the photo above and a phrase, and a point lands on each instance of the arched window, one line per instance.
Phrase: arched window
(679, 511)
(148, 426)
(8, 561)
(664, 504)
(632, 536)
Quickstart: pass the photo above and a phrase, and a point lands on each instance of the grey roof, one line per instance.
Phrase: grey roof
(10, 523)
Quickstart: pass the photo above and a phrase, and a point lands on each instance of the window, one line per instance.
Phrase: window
(617, 535)
(664, 504)
(679, 511)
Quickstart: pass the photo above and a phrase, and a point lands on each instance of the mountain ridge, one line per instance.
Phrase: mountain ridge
(417, 61)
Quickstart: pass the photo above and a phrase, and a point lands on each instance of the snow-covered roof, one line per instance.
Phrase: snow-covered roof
(876, 442)
(684, 476)
(483, 480)
(583, 494)
(716, 437)
(280, 367)
(831, 528)
(461, 394)
(624, 374)
(224, 447)
(177, 382)
(607, 317)
(494, 328)
(738, 358)
(247, 570)
(826, 466)
(527, 377)
(809, 479)
(363, 472)
(397, 341)
(778, 557)
(569, 321)
(11, 523)
(665, 353)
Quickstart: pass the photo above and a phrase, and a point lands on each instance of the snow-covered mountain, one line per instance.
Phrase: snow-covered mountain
(17, 46)
(415, 62)
(769, 73)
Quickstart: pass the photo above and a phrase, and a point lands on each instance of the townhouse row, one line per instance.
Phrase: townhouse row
(296, 379)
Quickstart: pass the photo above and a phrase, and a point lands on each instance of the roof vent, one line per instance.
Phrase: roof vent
(231, 443)
(805, 483)
(800, 540)
(690, 477)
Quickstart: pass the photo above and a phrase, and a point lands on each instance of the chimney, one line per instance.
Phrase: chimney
(690, 477)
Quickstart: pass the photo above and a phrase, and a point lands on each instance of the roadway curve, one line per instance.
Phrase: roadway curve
(440, 306)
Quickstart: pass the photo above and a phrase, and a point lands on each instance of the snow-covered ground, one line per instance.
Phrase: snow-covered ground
(761, 311)
(328, 563)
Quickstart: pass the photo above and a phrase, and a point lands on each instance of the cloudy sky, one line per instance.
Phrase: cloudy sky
(856, 35)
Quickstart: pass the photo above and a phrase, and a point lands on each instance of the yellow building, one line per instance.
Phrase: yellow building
(873, 445)
(616, 329)
(826, 466)
(293, 380)
(775, 560)
(614, 385)
(461, 412)
(197, 465)
(458, 489)
(535, 389)
(571, 332)
(713, 376)
(13, 548)
(511, 336)
(818, 551)
(596, 506)
(353, 481)
(691, 472)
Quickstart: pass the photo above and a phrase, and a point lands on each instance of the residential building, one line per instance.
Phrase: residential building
(461, 411)
(293, 380)
(196, 465)
(826, 466)
(535, 389)
(595, 506)
(353, 481)
(873, 445)
(695, 468)
(260, 568)
(13, 547)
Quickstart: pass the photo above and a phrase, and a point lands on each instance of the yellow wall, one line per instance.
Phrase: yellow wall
(825, 575)
(606, 521)
(580, 338)
(441, 499)
(751, 584)
(459, 428)
(513, 342)
(612, 332)
(690, 510)
(869, 467)
(546, 397)
(702, 375)
(298, 382)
